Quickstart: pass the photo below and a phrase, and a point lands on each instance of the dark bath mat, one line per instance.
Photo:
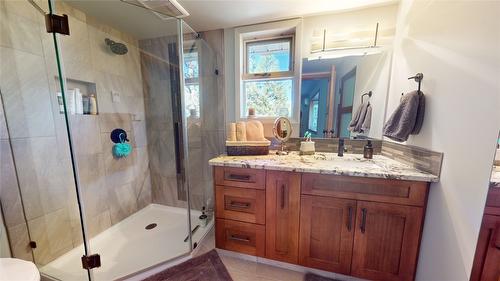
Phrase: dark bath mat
(207, 267)
(314, 277)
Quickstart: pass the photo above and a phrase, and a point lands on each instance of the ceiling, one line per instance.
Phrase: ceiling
(212, 14)
(215, 14)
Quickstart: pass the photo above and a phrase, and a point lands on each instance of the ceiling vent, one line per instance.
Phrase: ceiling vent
(165, 9)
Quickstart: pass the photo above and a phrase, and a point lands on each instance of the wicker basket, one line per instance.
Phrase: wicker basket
(247, 148)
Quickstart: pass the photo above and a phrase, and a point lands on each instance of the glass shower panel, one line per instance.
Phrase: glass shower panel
(122, 76)
(205, 125)
(38, 192)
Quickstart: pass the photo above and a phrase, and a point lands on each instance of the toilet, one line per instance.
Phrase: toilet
(18, 270)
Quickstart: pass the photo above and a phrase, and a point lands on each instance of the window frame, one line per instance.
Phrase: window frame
(268, 75)
(261, 32)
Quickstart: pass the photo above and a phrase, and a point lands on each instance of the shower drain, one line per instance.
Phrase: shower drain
(150, 226)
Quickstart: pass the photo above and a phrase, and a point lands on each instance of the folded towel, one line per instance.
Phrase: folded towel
(359, 117)
(232, 132)
(255, 131)
(420, 114)
(241, 131)
(403, 119)
(365, 127)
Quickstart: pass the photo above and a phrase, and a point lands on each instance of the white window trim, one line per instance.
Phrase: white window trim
(266, 30)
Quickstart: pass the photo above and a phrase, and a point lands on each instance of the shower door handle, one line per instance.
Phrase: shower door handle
(177, 133)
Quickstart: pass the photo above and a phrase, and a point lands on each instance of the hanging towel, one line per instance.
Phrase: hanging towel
(358, 118)
(420, 114)
(402, 121)
(365, 127)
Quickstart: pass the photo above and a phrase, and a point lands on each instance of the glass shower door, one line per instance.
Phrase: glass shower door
(38, 193)
(205, 125)
(122, 74)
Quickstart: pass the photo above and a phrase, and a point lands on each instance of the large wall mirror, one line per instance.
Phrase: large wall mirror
(332, 90)
(346, 60)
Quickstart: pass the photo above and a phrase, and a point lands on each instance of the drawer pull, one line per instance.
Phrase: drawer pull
(239, 177)
(240, 205)
(239, 238)
(349, 219)
(363, 220)
(282, 196)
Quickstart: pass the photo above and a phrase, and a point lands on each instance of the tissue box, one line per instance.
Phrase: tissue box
(241, 148)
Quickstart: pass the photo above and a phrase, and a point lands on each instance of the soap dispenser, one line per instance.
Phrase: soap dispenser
(368, 150)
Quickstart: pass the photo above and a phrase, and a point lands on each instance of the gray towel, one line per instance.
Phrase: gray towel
(358, 118)
(365, 127)
(402, 121)
(420, 114)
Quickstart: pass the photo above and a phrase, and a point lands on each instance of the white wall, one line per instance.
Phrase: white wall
(456, 45)
(348, 22)
(337, 22)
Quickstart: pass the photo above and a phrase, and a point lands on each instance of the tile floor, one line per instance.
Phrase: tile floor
(244, 270)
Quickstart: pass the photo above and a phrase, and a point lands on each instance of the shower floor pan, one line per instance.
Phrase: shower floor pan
(128, 247)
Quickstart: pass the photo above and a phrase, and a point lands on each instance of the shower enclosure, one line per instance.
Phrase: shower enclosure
(105, 135)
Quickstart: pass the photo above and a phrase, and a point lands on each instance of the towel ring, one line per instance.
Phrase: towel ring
(418, 78)
(369, 94)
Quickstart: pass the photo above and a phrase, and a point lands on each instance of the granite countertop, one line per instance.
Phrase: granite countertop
(328, 163)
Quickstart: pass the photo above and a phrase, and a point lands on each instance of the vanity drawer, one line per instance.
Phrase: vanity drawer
(246, 238)
(368, 189)
(241, 204)
(240, 177)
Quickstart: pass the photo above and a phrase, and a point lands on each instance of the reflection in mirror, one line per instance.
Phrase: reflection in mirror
(282, 131)
(332, 93)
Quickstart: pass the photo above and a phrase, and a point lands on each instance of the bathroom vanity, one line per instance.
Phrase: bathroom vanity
(347, 215)
(487, 256)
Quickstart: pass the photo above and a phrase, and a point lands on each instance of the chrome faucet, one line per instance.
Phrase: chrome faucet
(341, 148)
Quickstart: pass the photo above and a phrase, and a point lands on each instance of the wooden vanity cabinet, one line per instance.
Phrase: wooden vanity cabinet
(282, 216)
(326, 233)
(486, 266)
(386, 241)
(368, 228)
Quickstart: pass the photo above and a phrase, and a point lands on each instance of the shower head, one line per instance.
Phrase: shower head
(117, 48)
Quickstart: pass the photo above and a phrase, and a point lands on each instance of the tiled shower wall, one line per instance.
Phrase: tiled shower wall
(112, 188)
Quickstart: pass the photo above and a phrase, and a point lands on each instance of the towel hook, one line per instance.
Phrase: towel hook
(369, 94)
(418, 78)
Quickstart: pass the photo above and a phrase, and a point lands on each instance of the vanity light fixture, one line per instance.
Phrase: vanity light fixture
(330, 53)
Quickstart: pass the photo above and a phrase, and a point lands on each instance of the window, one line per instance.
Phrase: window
(268, 76)
(313, 113)
(192, 83)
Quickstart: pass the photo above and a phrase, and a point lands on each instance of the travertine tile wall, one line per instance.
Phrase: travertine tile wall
(155, 66)
(112, 188)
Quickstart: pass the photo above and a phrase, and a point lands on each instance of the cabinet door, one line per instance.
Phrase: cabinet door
(487, 260)
(282, 216)
(386, 241)
(326, 233)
